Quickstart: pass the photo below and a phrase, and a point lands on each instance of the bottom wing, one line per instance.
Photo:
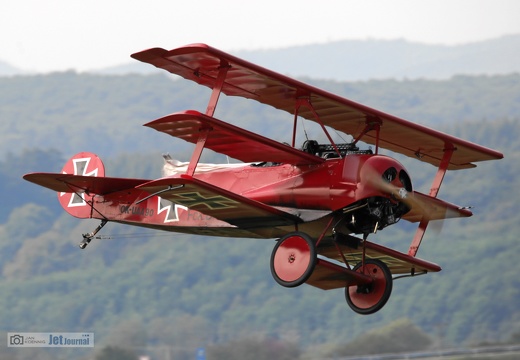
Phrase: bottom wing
(66, 183)
(218, 203)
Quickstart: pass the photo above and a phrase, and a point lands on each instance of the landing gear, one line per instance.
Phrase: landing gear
(293, 259)
(87, 238)
(368, 298)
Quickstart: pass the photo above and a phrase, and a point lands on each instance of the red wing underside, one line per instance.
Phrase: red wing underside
(77, 183)
(201, 63)
(328, 275)
(230, 140)
(218, 203)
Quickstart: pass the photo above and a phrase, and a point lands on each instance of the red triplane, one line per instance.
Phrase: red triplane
(312, 199)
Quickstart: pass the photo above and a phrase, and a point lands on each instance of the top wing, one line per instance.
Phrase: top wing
(230, 140)
(201, 63)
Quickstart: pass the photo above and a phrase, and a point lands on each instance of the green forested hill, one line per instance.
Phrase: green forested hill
(141, 288)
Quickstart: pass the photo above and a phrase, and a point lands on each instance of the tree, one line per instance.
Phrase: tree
(399, 336)
(255, 348)
(128, 333)
(116, 353)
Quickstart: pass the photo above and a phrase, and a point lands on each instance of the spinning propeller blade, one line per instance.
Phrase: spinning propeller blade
(422, 207)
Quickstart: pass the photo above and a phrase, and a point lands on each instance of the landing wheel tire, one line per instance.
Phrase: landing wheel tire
(369, 298)
(293, 259)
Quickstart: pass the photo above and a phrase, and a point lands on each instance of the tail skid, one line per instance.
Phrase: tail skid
(87, 238)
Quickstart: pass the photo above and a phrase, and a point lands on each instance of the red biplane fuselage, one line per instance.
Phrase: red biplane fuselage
(312, 199)
(309, 192)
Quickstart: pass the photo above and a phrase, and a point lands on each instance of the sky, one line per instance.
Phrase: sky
(58, 35)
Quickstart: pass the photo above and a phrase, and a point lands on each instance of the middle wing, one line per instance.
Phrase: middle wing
(230, 140)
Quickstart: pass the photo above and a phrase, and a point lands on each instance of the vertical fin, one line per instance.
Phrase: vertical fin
(85, 164)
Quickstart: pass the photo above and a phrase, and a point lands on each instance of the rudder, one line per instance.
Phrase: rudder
(85, 164)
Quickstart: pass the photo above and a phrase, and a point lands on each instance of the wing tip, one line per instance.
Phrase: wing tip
(151, 54)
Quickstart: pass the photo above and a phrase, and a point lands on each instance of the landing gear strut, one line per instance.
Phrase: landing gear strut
(87, 238)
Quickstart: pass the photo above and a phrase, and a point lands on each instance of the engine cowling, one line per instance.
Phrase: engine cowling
(381, 184)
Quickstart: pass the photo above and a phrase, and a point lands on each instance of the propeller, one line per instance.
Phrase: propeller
(396, 186)
(380, 175)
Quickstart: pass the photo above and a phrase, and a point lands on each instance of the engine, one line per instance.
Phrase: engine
(382, 185)
(372, 214)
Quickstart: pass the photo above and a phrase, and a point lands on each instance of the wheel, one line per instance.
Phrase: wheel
(293, 259)
(368, 298)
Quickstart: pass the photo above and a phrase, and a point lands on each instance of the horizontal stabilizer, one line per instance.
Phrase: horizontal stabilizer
(218, 203)
(66, 183)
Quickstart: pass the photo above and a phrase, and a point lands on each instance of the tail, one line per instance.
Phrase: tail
(82, 164)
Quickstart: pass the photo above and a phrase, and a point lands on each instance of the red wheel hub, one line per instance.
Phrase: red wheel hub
(368, 298)
(293, 260)
(369, 295)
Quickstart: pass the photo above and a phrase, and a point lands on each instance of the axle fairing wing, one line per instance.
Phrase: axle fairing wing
(329, 275)
(201, 63)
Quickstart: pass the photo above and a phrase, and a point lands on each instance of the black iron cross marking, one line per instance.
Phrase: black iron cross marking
(171, 209)
(217, 202)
